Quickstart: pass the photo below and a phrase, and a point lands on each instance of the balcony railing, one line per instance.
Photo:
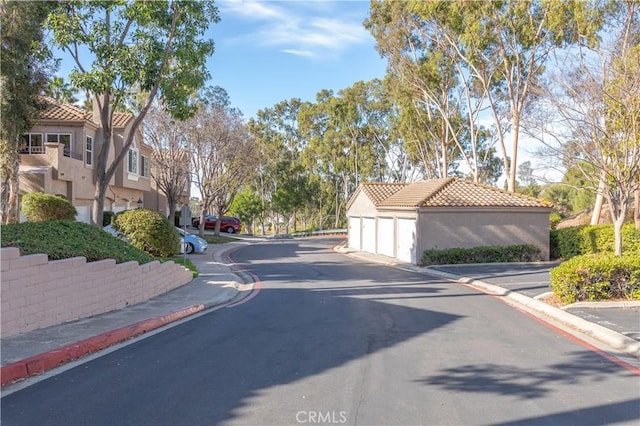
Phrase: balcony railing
(70, 154)
(33, 150)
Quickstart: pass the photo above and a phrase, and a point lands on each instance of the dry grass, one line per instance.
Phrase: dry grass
(552, 300)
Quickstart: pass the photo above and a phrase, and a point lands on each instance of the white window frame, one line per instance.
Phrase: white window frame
(57, 140)
(132, 161)
(30, 149)
(144, 166)
(88, 159)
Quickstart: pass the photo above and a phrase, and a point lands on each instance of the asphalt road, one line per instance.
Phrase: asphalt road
(533, 280)
(329, 339)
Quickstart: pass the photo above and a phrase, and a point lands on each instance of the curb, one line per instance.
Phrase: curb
(612, 338)
(46, 361)
(40, 363)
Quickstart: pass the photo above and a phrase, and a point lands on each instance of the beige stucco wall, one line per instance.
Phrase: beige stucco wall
(451, 228)
(362, 206)
(37, 293)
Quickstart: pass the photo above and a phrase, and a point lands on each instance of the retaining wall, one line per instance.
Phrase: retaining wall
(37, 293)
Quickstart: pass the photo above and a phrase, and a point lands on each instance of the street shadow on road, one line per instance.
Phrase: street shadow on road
(209, 370)
(583, 369)
(604, 414)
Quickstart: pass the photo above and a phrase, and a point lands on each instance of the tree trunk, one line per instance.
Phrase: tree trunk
(203, 210)
(14, 195)
(10, 187)
(636, 210)
(597, 207)
(172, 210)
(511, 181)
(617, 235)
(97, 209)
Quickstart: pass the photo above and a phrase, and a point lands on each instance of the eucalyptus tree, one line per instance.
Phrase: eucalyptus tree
(497, 50)
(592, 122)
(157, 46)
(25, 65)
(348, 138)
(275, 132)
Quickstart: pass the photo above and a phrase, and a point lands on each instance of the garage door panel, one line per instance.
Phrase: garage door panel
(83, 214)
(406, 240)
(354, 233)
(386, 242)
(369, 234)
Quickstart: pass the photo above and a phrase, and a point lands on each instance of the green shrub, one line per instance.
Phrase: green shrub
(149, 231)
(597, 277)
(40, 207)
(62, 240)
(107, 217)
(486, 254)
(577, 240)
(554, 219)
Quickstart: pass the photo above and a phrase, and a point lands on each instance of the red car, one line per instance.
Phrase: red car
(228, 224)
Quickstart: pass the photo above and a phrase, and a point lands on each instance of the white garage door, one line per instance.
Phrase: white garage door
(84, 214)
(406, 237)
(385, 236)
(354, 233)
(369, 234)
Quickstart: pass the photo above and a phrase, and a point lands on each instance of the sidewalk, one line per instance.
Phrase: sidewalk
(616, 324)
(34, 352)
(220, 283)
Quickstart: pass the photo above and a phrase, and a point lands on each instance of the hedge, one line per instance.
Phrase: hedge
(578, 240)
(597, 277)
(484, 254)
(149, 231)
(41, 207)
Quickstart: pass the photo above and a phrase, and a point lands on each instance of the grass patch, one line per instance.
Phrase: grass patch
(182, 261)
(212, 239)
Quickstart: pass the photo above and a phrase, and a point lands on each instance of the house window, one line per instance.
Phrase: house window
(89, 152)
(32, 144)
(145, 165)
(64, 139)
(133, 161)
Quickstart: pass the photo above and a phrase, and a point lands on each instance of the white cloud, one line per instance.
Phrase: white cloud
(305, 53)
(251, 9)
(300, 28)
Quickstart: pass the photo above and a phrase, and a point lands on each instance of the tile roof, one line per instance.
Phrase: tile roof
(378, 192)
(53, 110)
(454, 192)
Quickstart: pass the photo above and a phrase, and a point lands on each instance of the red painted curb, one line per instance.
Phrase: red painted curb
(40, 363)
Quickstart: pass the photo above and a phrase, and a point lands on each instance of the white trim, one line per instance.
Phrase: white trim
(88, 153)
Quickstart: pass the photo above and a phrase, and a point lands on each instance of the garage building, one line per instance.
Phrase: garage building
(404, 220)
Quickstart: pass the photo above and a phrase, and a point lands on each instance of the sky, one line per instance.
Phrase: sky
(270, 51)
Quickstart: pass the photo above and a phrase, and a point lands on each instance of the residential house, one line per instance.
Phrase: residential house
(59, 154)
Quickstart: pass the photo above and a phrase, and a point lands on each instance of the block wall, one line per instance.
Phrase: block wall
(37, 293)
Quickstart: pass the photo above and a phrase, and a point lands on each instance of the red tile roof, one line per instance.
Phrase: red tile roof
(378, 192)
(53, 110)
(454, 192)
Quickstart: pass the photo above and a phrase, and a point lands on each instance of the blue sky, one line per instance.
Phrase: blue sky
(270, 51)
